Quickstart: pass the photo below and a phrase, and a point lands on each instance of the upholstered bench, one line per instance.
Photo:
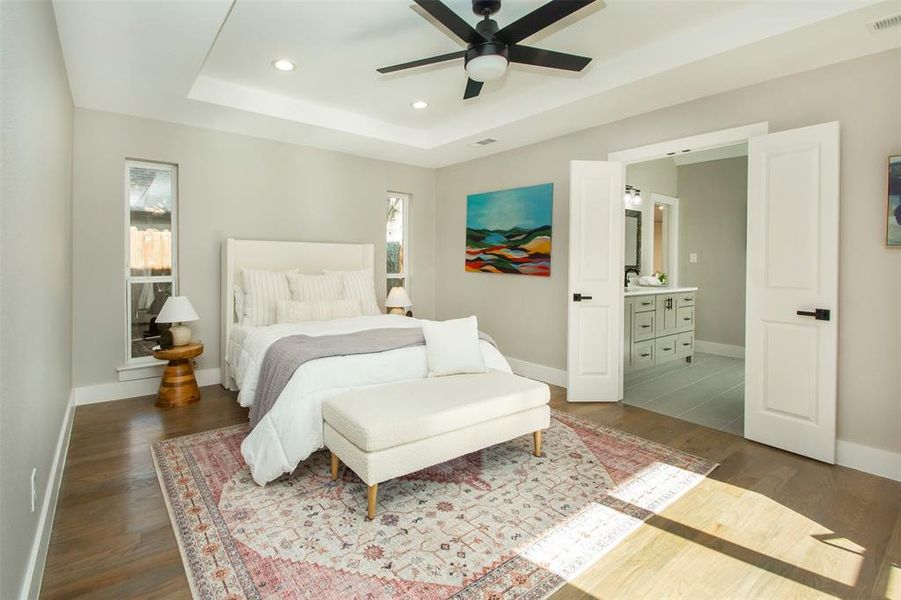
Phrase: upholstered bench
(391, 430)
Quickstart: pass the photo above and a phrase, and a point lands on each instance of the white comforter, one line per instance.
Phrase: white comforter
(292, 430)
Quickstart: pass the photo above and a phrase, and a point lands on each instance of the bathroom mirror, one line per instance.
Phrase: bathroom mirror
(633, 239)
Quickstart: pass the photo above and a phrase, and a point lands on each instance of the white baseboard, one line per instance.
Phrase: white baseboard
(539, 372)
(868, 459)
(719, 349)
(120, 390)
(38, 556)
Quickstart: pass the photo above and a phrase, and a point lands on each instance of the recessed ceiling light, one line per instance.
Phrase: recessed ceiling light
(420, 104)
(283, 64)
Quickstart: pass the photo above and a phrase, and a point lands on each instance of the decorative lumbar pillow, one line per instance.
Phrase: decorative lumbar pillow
(360, 286)
(262, 290)
(453, 347)
(239, 304)
(292, 311)
(313, 288)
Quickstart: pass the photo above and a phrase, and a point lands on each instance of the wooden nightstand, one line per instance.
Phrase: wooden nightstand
(179, 387)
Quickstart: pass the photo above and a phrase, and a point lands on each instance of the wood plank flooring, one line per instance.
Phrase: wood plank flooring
(709, 391)
(765, 524)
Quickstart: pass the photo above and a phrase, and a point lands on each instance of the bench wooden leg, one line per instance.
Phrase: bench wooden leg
(336, 462)
(537, 438)
(370, 506)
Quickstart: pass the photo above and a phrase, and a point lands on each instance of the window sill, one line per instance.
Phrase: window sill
(142, 370)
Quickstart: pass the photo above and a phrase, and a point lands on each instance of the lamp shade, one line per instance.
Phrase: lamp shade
(177, 309)
(398, 298)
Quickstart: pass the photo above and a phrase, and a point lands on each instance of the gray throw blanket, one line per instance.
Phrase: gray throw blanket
(286, 355)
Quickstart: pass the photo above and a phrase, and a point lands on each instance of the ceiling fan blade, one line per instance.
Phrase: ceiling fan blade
(473, 88)
(539, 18)
(451, 20)
(422, 62)
(528, 55)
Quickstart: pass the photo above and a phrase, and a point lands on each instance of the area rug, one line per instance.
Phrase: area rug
(499, 523)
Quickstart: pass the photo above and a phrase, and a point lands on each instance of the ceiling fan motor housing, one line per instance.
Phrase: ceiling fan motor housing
(485, 7)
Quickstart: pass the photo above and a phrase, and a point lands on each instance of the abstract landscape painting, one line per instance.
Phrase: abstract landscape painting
(510, 231)
(893, 226)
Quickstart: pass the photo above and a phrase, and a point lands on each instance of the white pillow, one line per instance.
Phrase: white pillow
(312, 288)
(453, 347)
(239, 304)
(262, 290)
(292, 311)
(360, 285)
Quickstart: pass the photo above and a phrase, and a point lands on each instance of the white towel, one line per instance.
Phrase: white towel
(649, 280)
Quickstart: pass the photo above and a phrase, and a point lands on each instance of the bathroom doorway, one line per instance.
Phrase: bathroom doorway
(683, 347)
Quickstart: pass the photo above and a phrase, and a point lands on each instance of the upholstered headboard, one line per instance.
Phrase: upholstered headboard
(307, 257)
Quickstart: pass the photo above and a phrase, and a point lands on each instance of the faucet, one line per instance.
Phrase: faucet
(630, 270)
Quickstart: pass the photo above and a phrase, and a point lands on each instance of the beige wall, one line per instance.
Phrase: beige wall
(36, 281)
(652, 176)
(527, 315)
(713, 223)
(229, 186)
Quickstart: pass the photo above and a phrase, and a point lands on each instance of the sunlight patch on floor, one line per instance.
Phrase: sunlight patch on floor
(723, 540)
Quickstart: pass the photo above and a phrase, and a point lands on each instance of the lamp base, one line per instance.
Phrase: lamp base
(181, 335)
(396, 311)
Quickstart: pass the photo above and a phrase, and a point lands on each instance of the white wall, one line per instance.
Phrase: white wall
(229, 186)
(36, 281)
(713, 223)
(527, 315)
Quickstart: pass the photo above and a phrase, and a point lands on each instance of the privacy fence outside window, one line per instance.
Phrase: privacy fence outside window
(151, 269)
(396, 240)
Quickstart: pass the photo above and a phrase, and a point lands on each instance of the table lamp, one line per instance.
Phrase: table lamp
(178, 309)
(397, 301)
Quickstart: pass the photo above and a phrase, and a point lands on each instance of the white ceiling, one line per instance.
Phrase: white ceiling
(207, 63)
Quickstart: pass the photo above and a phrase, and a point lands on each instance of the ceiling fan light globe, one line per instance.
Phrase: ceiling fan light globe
(487, 67)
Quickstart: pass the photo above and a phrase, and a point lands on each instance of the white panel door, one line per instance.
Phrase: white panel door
(595, 291)
(792, 290)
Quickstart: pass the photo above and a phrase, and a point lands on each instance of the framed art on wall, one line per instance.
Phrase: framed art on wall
(893, 212)
(509, 231)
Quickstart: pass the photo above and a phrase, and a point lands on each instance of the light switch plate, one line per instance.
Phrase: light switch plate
(693, 257)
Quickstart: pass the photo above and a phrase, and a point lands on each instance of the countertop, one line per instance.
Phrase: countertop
(653, 291)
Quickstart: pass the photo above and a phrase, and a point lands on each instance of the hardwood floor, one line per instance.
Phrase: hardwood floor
(765, 524)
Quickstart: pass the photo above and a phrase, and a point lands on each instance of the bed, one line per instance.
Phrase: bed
(293, 428)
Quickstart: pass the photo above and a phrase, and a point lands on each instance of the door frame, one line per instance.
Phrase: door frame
(685, 145)
(671, 240)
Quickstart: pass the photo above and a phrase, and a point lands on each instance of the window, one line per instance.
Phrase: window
(151, 272)
(398, 249)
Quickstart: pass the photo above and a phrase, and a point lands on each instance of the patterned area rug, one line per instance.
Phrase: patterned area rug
(499, 523)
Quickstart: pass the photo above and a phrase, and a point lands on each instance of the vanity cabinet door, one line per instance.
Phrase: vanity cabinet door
(665, 349)
(686, 344)
(643, 326)
(643, 354)
(666, 315)
(686, 318)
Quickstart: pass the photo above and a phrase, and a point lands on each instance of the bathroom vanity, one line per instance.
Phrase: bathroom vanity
(659, 326)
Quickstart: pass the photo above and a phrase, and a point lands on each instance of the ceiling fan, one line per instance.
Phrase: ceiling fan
(489, 50)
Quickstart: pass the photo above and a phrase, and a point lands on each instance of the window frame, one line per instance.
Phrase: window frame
(405, 242)
(130, 279)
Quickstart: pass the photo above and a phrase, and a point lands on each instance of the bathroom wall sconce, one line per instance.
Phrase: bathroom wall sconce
(632, 197)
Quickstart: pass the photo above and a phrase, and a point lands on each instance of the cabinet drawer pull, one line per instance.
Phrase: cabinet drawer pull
(645, 303)
(645, 326)
(667, 349)
(686, 343)
(686, 318)
(645, 353)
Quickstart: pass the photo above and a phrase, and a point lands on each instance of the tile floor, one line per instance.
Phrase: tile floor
(709, 391)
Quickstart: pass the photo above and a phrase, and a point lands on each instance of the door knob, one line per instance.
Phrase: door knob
(579, 297)
(820, 314)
